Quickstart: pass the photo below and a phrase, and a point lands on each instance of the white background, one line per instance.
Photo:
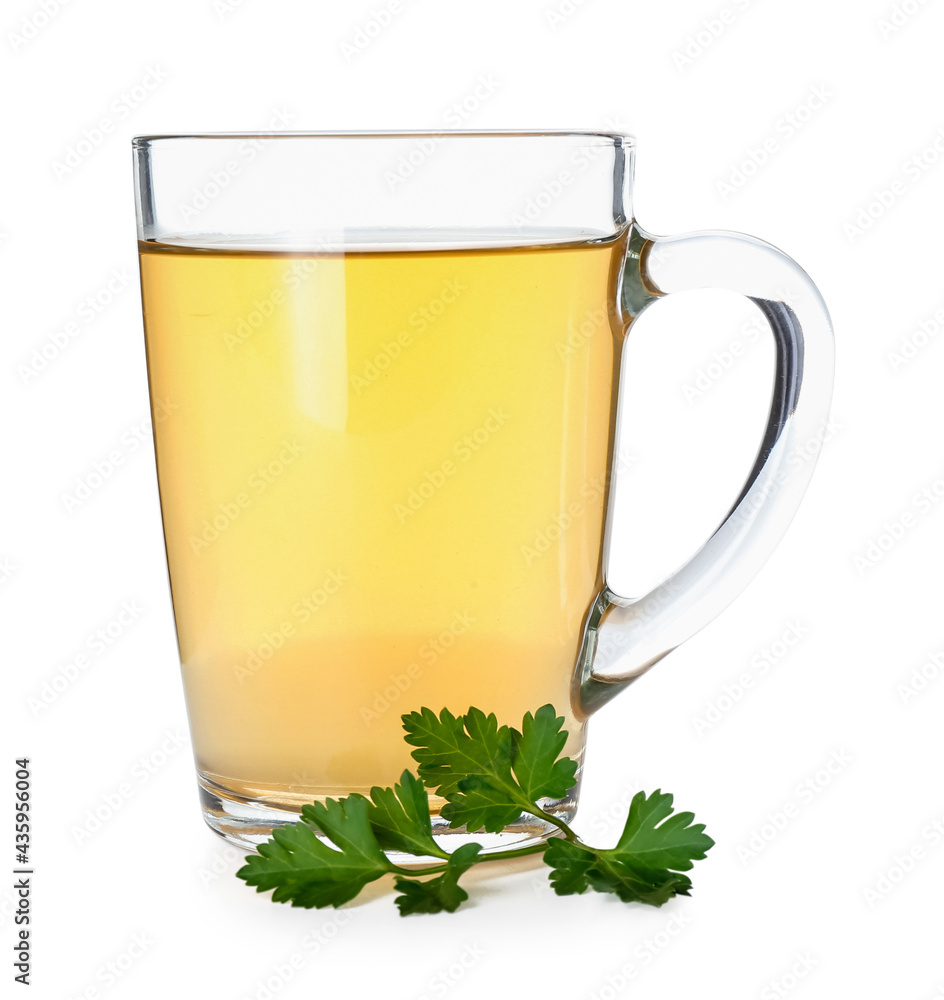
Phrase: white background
(826, 895)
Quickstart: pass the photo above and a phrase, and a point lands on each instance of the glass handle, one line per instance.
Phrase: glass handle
(625, 636)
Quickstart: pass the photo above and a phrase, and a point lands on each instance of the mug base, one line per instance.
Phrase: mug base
(247, 824)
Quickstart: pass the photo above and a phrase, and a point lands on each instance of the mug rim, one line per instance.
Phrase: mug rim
(617, 139)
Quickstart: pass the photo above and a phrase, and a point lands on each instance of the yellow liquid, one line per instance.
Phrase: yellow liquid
(383, 479)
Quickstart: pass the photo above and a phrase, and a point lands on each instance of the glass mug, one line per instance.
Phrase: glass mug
(388, 405)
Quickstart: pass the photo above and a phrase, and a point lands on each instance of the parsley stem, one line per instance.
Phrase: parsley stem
(414, 872)
(516, 852)
(539, 813)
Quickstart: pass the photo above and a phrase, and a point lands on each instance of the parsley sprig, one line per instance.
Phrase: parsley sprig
(489, 775)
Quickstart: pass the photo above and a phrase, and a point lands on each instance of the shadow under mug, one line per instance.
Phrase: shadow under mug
(384, 379)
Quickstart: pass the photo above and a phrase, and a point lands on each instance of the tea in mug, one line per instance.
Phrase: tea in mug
(383, 478)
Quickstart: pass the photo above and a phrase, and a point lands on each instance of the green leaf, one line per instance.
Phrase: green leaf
(400, 818)
(646, 863)
(451, 748)
(653, 844)
(437, 740)
(303, 870)
(489, 775)
(570, 866)
(637, 886)
(479, 805)
(576, 868)
(537, 748)
(468, 760)
(441, 893)
(345, 822)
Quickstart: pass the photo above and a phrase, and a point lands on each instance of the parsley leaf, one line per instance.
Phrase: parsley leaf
(451, 748)
(345, 822)
(468, 760)
(305, 871)
(537, 748)
(646, 862)
(479, 805)
(675, 843)
(577, 868)
(440, 893)
(570, 866)
(489, 774)
(400, 819)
